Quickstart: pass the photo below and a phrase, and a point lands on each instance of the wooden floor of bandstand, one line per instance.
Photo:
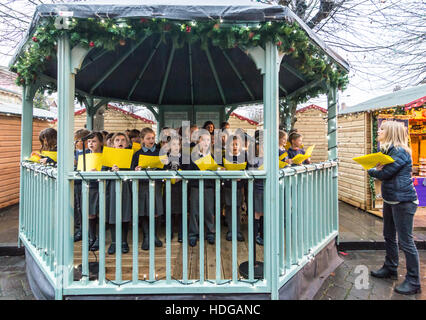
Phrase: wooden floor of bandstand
(193, 256)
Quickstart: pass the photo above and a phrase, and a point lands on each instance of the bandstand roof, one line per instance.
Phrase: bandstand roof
(155, 74)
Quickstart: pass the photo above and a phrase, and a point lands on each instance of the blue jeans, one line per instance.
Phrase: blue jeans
(399, 218)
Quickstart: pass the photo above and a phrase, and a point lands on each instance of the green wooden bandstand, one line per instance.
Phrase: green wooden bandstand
(184, 61)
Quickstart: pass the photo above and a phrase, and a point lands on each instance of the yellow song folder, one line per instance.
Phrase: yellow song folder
(152, 161)
(281, 161)
(136, 146)
(207, 163)
(122, 158)
(51, 154)
(298, 159)
(371, 160)
(93, 161)
(234, 166)
(35, 157)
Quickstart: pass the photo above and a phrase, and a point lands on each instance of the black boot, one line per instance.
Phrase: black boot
(111, 249)
(145, 230)
(407, 288)
(384, 272)
(77, 235)
(92, 234)
(259, 239)
(158, 242)
(124, 232)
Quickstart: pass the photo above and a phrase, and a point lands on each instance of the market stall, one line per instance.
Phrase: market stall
(358, 136)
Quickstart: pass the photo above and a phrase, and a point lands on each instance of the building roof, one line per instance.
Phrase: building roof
(110, 106)
(310, 107)
(16, 110)
(406, 97)
(242, 118)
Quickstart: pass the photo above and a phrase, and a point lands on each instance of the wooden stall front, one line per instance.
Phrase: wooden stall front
(357, 133)
(312, 124)
(10, 149)
(115, 119)
(238, 121)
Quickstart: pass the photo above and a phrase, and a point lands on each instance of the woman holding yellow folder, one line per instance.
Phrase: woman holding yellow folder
(400, 204)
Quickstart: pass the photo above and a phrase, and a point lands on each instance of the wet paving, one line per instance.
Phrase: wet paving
(354, 225)
(344, 284)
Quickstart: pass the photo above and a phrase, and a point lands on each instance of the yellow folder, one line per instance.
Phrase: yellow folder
(282, 164)
(136, 146)
(51, 154)
(35, 157)
(371, 160)
(93, 161)
(207, 163)
(281, 161)
(151, 161)
(122, 158)
(298, 159)
(234, 166)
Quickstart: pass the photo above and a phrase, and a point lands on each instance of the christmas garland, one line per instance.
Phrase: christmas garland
(110, 33)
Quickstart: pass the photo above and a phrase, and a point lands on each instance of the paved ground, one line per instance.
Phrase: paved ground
(13, 280)
(341, 284)
(354, 225)
(9, 222)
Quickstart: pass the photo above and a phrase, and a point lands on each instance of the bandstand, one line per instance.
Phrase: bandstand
(184, 61)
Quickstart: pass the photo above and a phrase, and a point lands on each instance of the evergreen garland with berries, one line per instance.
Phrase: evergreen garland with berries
(107, 34)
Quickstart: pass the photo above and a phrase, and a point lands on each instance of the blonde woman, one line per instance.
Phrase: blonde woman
(400, 204)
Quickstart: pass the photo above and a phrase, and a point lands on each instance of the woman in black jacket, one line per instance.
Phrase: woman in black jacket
(399, 206)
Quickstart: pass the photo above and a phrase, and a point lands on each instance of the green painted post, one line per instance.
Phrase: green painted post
(102, 232)
(118, 225)
(332, 151)
(168, 231)
(299, 218)
(135, 229)
(251, 240)
(294, 215)
(89, 113)
(26, 145)
(306, 214)
(64, 235)
(288, 222)
(184, 231)
(234, 231)
(218, 215)
(85, 231)
(201, 227)
(281, 226)
(151, 230)
(271, 118)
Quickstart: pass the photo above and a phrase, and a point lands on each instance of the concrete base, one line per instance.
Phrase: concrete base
(40, 286)
(306, 283)
(303, 285)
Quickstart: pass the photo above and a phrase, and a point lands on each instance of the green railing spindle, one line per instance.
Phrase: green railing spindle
(135, 229)
(102, 225)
